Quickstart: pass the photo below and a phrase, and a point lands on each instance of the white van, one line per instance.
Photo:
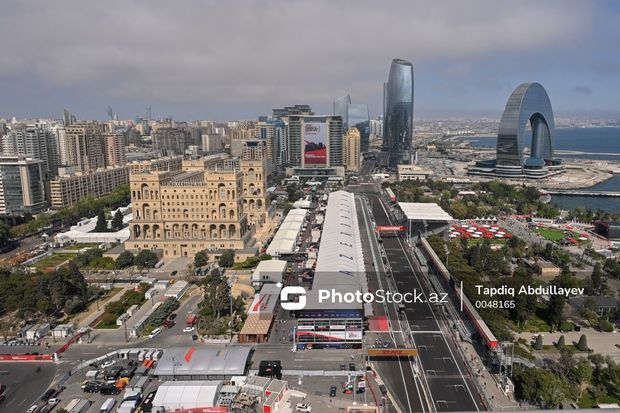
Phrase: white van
(107, 406)
(155, 332)
(141, 355)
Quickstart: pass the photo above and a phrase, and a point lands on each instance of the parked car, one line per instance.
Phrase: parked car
(32, 409)
(53, 402)
(107, 364)
(351, 366)
(155, 332)
(302, 407)
(188, 329)
(47, 395)
(332, 391)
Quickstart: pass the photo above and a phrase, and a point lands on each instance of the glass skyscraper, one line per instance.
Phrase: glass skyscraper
(341, 109)
(359, 117)
(398, 113)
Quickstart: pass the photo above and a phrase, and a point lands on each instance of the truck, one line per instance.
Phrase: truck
(191, 320)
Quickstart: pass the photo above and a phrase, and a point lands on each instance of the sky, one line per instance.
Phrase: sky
(226, 60)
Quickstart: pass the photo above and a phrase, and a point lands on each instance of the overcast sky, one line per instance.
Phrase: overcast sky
(238, 59)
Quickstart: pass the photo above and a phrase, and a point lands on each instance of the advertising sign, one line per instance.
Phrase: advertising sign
(392, 352)
(315, 143)
(390, 228)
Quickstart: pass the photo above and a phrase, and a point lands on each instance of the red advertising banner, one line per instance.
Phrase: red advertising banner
(391, 228)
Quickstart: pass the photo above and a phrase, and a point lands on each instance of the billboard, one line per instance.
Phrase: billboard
(315, 143)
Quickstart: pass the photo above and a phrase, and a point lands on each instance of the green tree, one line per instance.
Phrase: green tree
(555, 310)
(227, 259)
(582, 345)
(102, 224)
(538, 344)
(201, 259)
(117, 220)
(5, 234)
(125, 259)
(596, 278)
(540, 387)
(146, 259)
(581, 375)
(561, 342)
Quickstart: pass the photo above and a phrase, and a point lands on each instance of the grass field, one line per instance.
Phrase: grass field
(53, 260)
(555, 234)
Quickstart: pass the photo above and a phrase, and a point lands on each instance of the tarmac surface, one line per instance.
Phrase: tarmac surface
(442, 370)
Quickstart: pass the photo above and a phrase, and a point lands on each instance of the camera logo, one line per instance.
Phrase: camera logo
(290, 292)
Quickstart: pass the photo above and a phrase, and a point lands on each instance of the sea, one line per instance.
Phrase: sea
(594, 143)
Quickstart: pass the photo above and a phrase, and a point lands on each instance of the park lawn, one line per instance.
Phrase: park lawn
(53, 260)
(106, 326)
(588, 401)
(551, 234)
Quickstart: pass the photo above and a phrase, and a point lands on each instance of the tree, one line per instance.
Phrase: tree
(201, 259)
(5, 234)
(555, 310)
(117, 220)
(597, 277)
(227, 259)
(146, 259)
(538, 344)
(581, 375)
(102, 223)
(582, 345)
(561, 342)
(125, 259)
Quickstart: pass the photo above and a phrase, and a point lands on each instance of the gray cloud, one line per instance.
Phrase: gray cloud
(582, 90)
(271, 52)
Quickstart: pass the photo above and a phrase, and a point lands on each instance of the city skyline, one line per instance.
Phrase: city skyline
(467, 57)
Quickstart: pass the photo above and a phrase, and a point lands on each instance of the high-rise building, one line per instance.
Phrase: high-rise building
(84, 148)
(211, 142)
(359, 117)
(115, 152)
(341, 108)
(274, 133)
(398, 115)
(315, 141)
(35, 141)
(172, 140)
(352, 150)
(292, 110)
(21, 186)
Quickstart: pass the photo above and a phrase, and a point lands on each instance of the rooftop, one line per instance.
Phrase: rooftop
(421, 211)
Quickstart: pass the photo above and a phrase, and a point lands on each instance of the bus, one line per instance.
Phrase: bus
(390, 194)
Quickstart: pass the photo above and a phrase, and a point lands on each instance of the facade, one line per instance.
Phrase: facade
(115, 152)
(84, 148)
(172, 140)
(183, 212)
(528, 104)
(398, 113)
(341, 108)
(255, 201)
(412, 172)
(21, 186)
(359, 117)
(352, 154)
(69, 186)
(35, 141)
(274, 133)
(322, 141)
(211, 142)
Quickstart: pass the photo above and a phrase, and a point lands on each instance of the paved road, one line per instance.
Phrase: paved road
(25, 383)
(443, 371)
(398, 373)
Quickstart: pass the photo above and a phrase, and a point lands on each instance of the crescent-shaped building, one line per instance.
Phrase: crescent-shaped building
(528, 104)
